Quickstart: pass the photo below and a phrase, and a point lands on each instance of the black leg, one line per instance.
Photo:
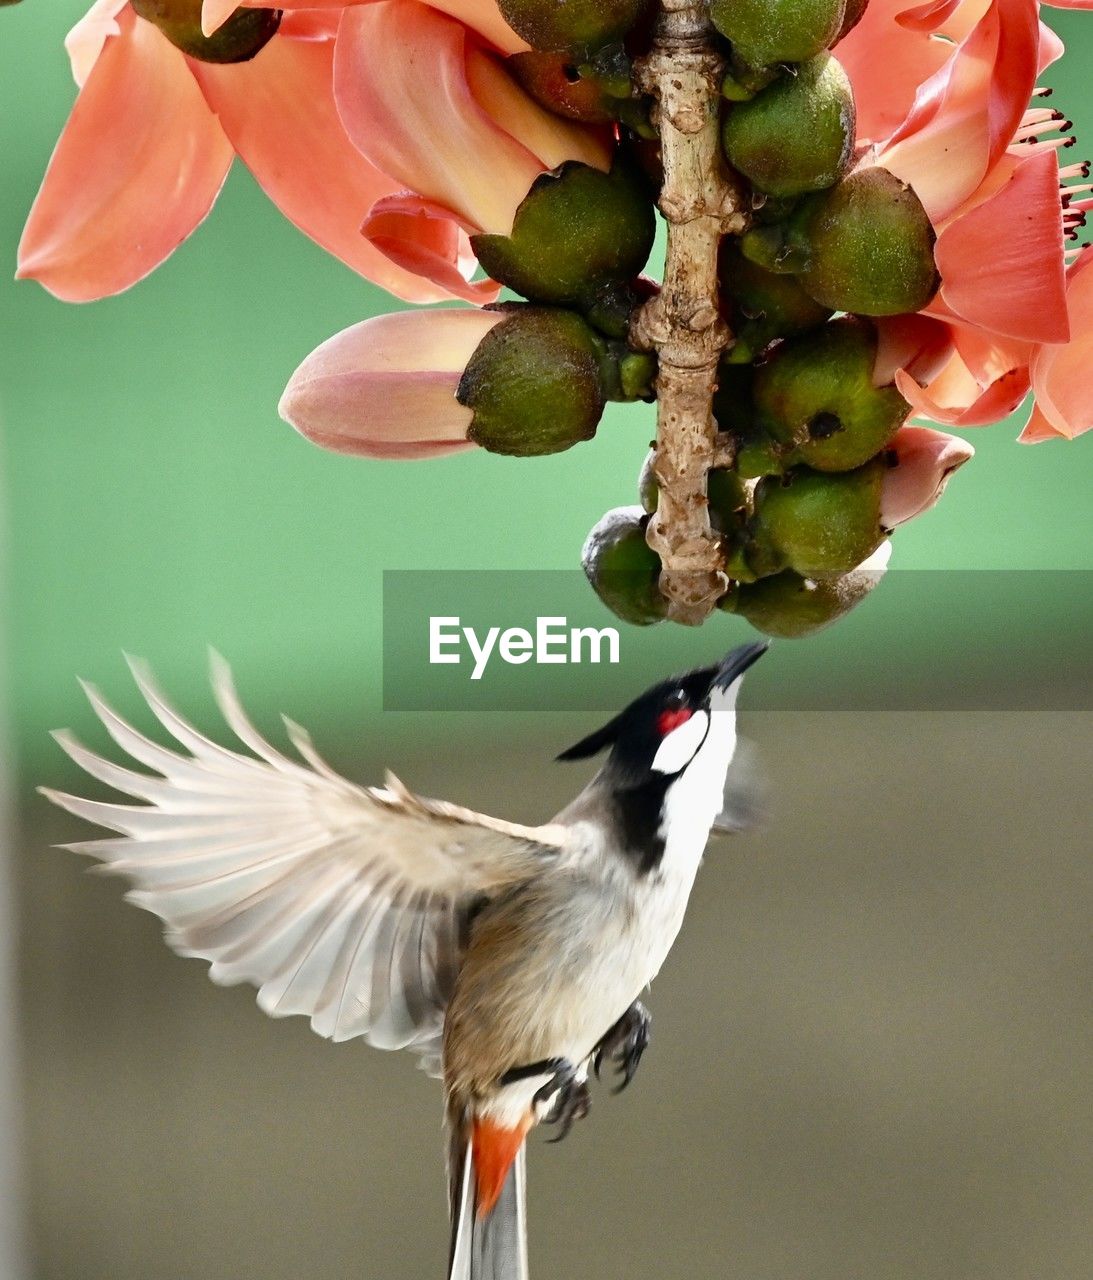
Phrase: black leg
(545, 1067)
(624, 1044)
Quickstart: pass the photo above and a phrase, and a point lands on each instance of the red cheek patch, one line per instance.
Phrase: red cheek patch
(669, 720)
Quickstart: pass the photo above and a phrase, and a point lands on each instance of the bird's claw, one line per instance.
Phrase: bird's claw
(624, 1044)
(572, 1102)
(566, 1092)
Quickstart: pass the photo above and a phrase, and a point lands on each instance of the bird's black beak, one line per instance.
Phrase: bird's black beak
(737, 661)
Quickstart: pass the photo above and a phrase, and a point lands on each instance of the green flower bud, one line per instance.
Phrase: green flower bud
(627, 375)
(796, 136)
(742, 83)
(595, 91)
(761, 305)
(244, 34)
(870, 246)
(623, 569)
(789, 605)
(612, 310)
(579, 25)
(534, 383)
(764, 32)
(555, 81)
(779, 247)
(727, 498)
(855, 11)
(815, 396)
(757, 454)
(821, 525)
(577, 231)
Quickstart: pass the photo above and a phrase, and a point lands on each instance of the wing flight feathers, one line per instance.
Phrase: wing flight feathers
(344, 903)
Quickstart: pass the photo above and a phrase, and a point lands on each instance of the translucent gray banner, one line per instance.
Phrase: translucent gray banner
(506, 640)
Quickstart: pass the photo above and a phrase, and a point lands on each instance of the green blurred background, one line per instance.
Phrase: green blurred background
(872, 1044)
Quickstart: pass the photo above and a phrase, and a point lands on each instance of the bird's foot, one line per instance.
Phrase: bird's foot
(572, 1100)
(567, 1091)
(624, 1044)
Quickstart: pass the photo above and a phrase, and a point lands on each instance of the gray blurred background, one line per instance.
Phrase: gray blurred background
(871, 1055)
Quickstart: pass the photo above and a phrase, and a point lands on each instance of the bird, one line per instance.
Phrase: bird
(511, 959)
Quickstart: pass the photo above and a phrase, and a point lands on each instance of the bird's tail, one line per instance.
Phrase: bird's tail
(486, 1169)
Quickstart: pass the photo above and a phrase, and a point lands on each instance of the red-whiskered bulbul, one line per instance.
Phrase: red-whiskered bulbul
(510, 958)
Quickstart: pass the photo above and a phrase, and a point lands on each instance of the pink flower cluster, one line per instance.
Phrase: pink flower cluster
(390, 131)
(387, 130)
(947, 100)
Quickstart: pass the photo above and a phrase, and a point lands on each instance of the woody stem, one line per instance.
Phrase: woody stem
(683, 323)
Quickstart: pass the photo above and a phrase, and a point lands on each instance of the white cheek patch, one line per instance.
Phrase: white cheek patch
(678, 749)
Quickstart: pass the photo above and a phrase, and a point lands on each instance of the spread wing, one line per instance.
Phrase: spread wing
(348, 904)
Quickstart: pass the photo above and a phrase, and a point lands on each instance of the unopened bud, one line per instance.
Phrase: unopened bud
(870, 246)
(579, 25)
(797, 135)
(577, 231)
(595, 92)
(761, 304)
(623, 569)
(534, 383)
(790, 605)
(818, 524)
(238, 39)
(765, 32)
(815, 396)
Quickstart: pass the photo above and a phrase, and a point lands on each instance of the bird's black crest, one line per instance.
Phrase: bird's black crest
(596, 742)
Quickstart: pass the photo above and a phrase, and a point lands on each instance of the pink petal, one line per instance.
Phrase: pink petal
(385, 388)
(278, 110)
(214, 13)
(550, 139)
(965, 115)
(925, 461)
(1038, 428)
(917, 344)
(886, 64)
(1001, 263)
(482, 16)
(308, 24)
(85, 41)
(447, 135)
(138, 166)
(967, 391)
(1061, 378)
(928, 17)
(426, 239)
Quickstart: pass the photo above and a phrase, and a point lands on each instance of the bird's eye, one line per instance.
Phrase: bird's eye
(676, 712)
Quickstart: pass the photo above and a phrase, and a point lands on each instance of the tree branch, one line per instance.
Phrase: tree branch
(683, 323)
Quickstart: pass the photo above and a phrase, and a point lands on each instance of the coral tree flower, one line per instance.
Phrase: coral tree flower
(385, 388)
(151, 138)
(947, 110)
(923, 461)
(439, 113)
